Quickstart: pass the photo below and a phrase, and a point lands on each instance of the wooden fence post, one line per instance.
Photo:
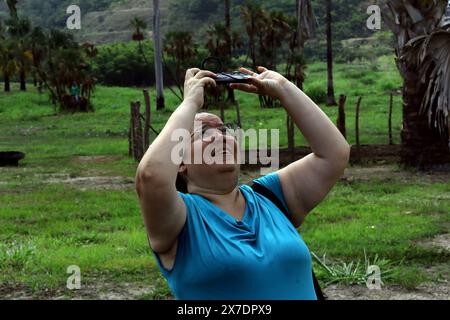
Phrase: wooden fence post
(131, 132)
(358, 153)
(222, 110)
(130, 137)
(147, 120)
(238, 113)
(136, 130)
(341, 115)
(390, 119)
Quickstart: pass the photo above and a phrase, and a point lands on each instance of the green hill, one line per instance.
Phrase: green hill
(106, 21)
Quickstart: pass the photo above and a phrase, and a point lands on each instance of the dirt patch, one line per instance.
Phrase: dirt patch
(372, 153)
(95, 159)
(95, 183)
(102, 290)
(108, 291)
(381, 172)
(426, 291)
(389, 172)
(134, 291)
(440, 242)
(30, 131)
(9, 292)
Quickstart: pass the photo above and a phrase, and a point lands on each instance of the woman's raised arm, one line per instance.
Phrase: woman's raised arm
(162, 208)
(307, 181)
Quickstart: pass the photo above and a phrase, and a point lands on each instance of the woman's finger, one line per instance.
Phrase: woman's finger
(208, 81)
(256, 82)
(205, 73)
(262, 69)
(247, 71)
(244, 87)
(191, 73)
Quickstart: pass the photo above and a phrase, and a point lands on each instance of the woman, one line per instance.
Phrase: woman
(224, 241)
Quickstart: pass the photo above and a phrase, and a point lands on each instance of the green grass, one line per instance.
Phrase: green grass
(45, 227)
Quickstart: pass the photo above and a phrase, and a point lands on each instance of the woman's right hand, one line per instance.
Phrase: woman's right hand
(194, 85)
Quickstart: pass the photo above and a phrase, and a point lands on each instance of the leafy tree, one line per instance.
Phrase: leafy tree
(60, 63)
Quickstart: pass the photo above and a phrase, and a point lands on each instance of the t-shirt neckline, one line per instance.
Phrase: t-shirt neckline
(227, 215)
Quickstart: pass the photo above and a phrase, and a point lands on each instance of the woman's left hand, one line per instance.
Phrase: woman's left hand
(267, 83)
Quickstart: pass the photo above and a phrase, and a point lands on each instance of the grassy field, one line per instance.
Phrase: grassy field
(72, 200)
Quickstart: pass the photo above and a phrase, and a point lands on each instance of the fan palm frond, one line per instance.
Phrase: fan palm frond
(429, 56)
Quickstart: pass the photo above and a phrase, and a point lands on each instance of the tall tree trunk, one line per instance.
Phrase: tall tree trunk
(228, 26)
(158, 56)
(23, 85)
(331, 101)
(7, 82)
(230, 97)
(422, 147)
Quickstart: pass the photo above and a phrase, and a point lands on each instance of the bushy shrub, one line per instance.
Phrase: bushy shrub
(368, 80)
(317, 93)
(389, 86)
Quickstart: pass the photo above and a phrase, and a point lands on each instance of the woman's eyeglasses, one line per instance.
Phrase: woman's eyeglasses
(207, 133)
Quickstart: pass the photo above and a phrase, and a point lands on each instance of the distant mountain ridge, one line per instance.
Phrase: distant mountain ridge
(103, 21)
(108, 21)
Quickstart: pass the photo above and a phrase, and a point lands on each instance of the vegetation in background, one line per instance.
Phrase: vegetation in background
(56, 60)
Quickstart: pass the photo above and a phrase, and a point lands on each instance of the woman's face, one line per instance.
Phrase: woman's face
(219, 168)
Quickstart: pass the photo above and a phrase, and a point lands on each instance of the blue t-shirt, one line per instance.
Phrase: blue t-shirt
(262, 257)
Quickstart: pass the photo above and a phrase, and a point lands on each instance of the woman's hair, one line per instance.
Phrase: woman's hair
(181, 184)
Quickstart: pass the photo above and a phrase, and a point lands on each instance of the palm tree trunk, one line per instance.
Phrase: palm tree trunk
(228, 26)
(421, 146)
(331, 101)
(158, 56)
(7, 82)
(23, 85)
(230, 97)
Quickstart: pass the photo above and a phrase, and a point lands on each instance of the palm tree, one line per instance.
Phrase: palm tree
(422, 50)
(38, 43)
(306, 22)
(8, 65)
(2, 50)
(158, 56)
(331, 101)
(228, 26)
(180, 47)
(12, 5)
(229, 44)
(278, 31)
(19, 30)
(296, 65)
(217, 42)
(303, 28)
(139, 26)
(254, 18)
